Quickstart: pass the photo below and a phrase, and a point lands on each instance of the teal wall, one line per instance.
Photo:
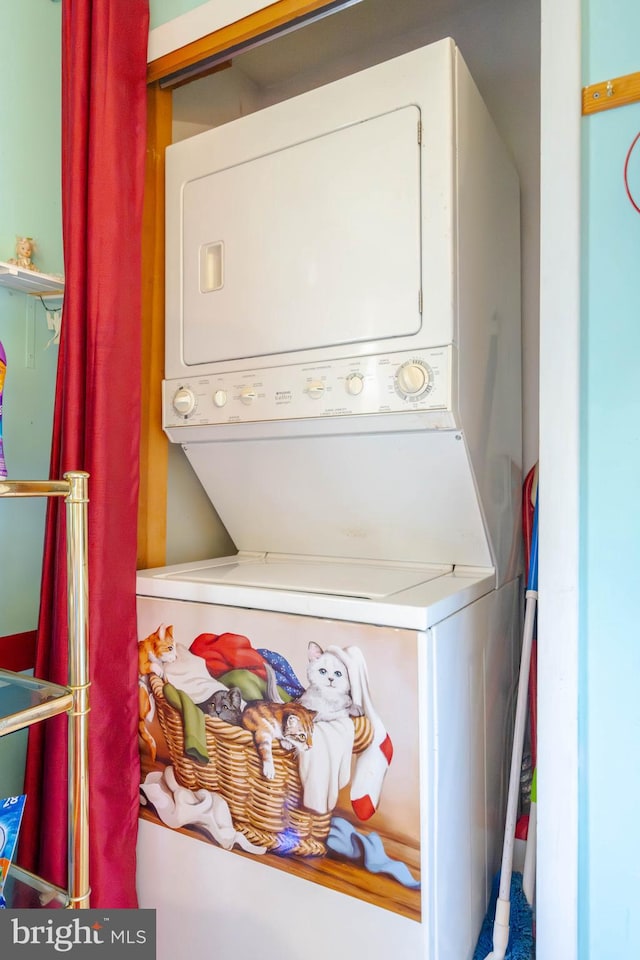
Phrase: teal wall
(29, 204)
(610, 519)
(161, 11)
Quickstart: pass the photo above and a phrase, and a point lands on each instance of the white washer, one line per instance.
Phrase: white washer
(439, 676)
(343, 374)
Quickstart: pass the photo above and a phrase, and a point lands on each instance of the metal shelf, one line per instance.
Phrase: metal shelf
(30, 281)
(24, 890)
(25, 701)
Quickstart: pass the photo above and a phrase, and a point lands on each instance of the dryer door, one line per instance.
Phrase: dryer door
(313, 245)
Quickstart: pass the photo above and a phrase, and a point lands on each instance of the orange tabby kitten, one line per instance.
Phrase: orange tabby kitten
(153, 652)
(289, 723)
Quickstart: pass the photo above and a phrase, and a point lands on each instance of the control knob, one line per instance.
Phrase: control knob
(413, 378)
(355, 384)
(315, 389)
(248, 395)
(184, 402)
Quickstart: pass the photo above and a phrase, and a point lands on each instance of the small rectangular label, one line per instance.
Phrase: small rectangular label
(79, 934)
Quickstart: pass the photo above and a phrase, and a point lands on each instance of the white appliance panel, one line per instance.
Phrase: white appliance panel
(393, 496)
(442, 696)
(313, 245)
(325, 169)
(383, 222)
(230, 917)
(392, 383)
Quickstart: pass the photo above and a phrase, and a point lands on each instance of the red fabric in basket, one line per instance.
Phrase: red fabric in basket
(228, 651)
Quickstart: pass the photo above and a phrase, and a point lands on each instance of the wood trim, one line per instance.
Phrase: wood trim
(617, 92)
(18, 651)
(234, 34)
(152, 498)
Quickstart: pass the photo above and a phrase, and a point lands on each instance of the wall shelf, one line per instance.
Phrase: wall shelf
(26, 700)
(30, 281)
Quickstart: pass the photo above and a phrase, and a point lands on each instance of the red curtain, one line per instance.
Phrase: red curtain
(96, 428)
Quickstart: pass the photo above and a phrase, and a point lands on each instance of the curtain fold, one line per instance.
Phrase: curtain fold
(96, 428)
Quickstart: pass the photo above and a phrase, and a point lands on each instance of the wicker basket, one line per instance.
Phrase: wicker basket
(268, 812)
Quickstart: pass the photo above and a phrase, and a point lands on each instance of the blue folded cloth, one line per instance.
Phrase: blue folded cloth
(285, 676)
(368, 848)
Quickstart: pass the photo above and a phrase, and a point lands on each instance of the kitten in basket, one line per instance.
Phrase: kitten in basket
(328, 697)
(291, 724)
(228, 704)
(329, 690)
(153, 652)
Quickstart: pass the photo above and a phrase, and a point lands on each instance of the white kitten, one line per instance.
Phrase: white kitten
(329, 690)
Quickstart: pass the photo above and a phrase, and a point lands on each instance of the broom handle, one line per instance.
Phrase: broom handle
(503, 905)
(518, 742)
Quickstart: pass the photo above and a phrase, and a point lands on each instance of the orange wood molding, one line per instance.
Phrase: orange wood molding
(232, 35)
(617, 92)
(152, 497)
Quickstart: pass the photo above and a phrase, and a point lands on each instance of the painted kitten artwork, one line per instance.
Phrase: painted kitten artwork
(225, 704)
(153, 653)
(228, 704)
(289, 723)
(329, 690)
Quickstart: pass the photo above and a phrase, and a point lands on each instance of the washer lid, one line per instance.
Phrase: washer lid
(370, 581)
(387, 594)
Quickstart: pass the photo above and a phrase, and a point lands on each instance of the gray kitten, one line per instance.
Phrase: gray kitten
(228, 705)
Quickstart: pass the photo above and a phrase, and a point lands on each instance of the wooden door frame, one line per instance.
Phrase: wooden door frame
(154, 450)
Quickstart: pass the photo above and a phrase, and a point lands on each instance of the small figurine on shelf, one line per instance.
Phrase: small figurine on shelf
(24, 251)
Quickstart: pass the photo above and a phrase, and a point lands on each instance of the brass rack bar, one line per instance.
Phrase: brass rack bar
(34, 488)
(78, 757)
(40, 711)
(74, 700)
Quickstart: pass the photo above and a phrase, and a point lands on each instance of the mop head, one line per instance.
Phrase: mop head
(521, 946)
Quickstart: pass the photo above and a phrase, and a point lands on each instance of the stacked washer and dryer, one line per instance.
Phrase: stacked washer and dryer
(343, 374)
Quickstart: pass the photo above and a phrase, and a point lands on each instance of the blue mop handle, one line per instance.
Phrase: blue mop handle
(532, 580)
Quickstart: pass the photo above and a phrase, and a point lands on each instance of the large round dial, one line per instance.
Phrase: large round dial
(413, 378)
(248, 395)
(184, 402)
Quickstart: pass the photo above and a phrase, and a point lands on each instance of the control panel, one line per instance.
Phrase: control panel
(356, 386)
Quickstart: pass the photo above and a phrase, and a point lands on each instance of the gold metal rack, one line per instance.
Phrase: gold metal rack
(37, 700)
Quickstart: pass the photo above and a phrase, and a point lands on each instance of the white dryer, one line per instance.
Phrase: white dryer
(343, 374)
